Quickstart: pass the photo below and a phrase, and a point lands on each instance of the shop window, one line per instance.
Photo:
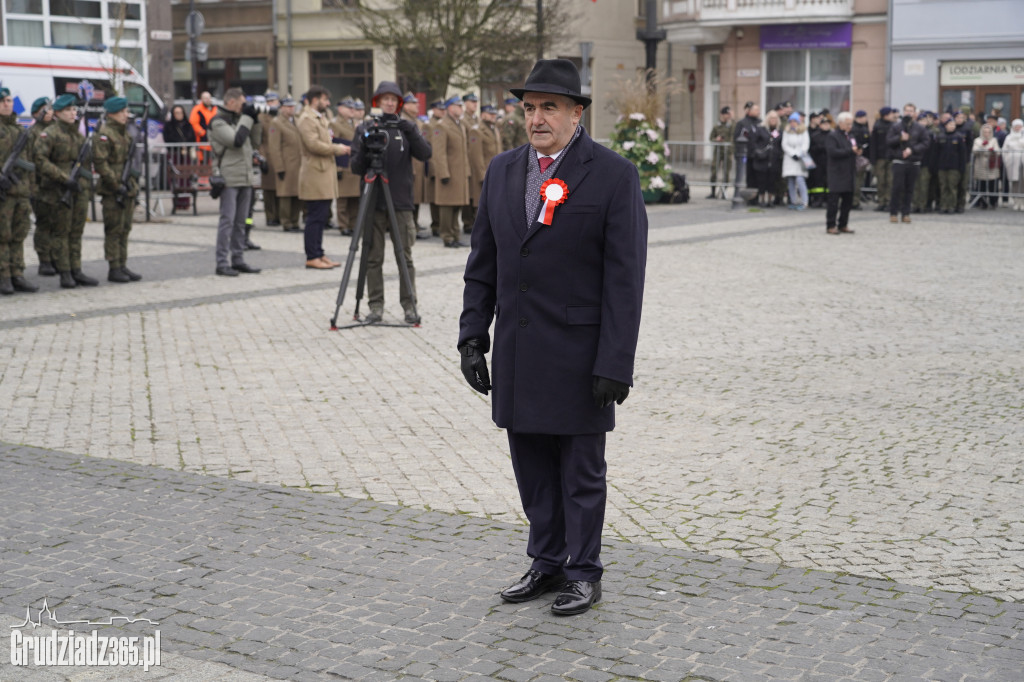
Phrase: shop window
(343, 73)
(25, 33)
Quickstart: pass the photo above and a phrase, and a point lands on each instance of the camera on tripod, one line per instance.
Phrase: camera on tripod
(376, 135)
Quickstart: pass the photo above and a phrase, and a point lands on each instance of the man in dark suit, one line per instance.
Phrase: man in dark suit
(842, 151)
(560, 247)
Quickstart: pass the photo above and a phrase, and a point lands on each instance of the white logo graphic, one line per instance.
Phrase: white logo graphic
(66, 649)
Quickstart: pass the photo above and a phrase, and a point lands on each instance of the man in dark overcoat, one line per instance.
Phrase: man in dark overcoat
(567, 270)
(842, 150)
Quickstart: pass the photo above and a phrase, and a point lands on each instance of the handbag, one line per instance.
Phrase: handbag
(762, 153)
(808, 161)
(862, 163)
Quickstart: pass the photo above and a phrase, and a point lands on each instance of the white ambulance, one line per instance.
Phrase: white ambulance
(34, 72)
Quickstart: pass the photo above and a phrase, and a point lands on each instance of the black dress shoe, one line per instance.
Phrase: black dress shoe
(118, 275)
(250, 246)
(67, 281)
(531, 586)
(46, 269)
(84, 279)
(576, 597)
(455, 244)
(246, 268)
(6, 288)
(227, 272)
(273, 223)
(132, 275)
(21, 284)
(346, 233)
(293, 228)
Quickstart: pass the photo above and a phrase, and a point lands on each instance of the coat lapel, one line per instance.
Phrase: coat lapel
(572, 171)
(515, 188)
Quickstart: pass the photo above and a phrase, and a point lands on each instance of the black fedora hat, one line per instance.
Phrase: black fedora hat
(555, 76)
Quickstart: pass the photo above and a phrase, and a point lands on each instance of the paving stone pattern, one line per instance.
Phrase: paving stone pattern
(295, 585)
(849, 406)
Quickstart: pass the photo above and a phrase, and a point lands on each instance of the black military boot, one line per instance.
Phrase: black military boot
(6, 288)
(117, 274)
(67, 281)
(84, 279)
(46, 269)
(249, 246)
(21, 284)
(132, 275)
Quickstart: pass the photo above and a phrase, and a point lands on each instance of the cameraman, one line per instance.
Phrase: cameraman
(908, 142)
(233, 134)
(404, 144)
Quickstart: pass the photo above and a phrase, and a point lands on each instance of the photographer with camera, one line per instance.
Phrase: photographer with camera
(234, 133)
(389, 144)
(908, 142)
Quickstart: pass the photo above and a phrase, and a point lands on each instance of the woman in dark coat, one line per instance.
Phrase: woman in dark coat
(765, 154)
(178, 130)
(842, 151)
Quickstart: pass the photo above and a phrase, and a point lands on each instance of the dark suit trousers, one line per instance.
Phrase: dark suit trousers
(317, 214)
(562, 486)
(904, 177)
(838, 202)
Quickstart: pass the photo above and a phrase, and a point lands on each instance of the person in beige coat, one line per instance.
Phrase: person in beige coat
(284, 150)
(268, 180)
(410, 112)
(484, 145)
(451, 171)
(435, 114)
(343, 128)
(318, 176)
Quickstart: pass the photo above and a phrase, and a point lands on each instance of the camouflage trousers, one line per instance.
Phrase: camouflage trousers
(15, 223)
(117, 223)
(43, 236)
(921, 189)
(949, 185)
(883, 177)
(68, 226)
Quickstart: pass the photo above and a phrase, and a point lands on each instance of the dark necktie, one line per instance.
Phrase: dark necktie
(544, 162)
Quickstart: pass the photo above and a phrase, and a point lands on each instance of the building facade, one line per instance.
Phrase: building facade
(947, 54)
(240, 53)
(815, 54)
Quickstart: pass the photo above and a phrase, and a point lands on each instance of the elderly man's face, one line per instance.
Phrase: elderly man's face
(206, 99)
(550, 120)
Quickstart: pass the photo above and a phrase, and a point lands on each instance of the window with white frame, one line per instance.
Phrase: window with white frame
(97, 24)
(809, 79)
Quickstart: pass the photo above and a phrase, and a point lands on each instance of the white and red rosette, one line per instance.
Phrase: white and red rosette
(553, 192)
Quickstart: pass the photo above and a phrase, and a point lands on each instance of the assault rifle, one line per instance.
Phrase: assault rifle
(8, 178)
(129, 164)
(84, 160)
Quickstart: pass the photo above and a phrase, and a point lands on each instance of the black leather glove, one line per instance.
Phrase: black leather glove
(5, 184)
(474, 366)
(607, 391)
(72, 185)
(406, 126)
(249, 110)
(280, 175)
(796, 157)
(445, 181)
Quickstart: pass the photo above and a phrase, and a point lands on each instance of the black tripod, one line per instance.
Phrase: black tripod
(376, 181)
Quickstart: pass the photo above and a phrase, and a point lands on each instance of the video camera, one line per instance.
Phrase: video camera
(376, 135)
(265, 109)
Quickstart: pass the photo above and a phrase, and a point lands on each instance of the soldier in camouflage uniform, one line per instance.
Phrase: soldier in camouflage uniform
(722, 157)
(42, 112)
(109, 156)
(57, 150)
(513, 128)
(15, 210)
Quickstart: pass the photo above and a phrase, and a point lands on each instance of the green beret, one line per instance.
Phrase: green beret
(5, 92)
(115, 104)
(63, 102)
(39, 104)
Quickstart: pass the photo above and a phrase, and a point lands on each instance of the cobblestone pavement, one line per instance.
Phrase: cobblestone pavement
(850, 405)
(291, 584)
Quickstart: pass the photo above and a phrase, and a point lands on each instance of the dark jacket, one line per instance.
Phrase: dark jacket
(765, 151)
(745, 126)
(818, 176)
(879, 148)
(951, 151)
(842, 161)
(565, 299)
(918, 142)
(862, 134)
(178, 131)
(405, 144)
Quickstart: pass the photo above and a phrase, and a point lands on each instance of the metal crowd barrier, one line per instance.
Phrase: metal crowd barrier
(178, 171)
(992, 184)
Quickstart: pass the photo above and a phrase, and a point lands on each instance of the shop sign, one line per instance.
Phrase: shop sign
(994, 72)
(806, 36)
